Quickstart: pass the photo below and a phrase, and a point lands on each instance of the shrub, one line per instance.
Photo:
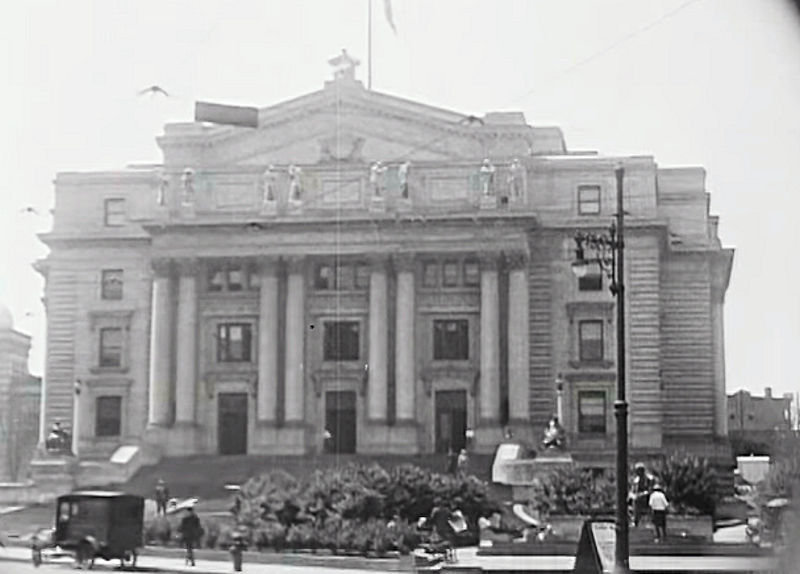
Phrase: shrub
(575, 491)
(301, 536)
(213, 530)
(269, 534)
(158, 531)
(689, 483)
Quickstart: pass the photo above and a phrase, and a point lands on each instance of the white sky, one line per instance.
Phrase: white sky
(714, 83)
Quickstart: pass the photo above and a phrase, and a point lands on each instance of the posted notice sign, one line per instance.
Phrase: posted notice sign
(596, 548)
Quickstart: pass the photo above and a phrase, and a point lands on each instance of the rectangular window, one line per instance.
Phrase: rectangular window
(451, 340)
(344, 277)
(472, 273)
(589, 200)
(592, 412)
(108, 416)
(592, 282)
(111, 347)
(450, 274)
(234, 342)
(341, 341)
(362, 276)
(430, 277)
(323, 277)
(235, 279)
(591, 340)
(114, 212)
(111, 284)
(216, 278)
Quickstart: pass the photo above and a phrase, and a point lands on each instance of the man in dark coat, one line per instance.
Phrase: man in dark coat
(191, 531)
(162, 496)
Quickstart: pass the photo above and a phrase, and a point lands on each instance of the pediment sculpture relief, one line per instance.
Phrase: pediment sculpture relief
(344, 148)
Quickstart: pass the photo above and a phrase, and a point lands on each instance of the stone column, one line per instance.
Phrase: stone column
(518, 339)
(718, 346)
(489, 396)
(378, 343)
(405, 379)
(160, 345)
(295, 341)
(186, 343)
(268, 343)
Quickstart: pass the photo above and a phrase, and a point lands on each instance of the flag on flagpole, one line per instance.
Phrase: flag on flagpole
(387, 8)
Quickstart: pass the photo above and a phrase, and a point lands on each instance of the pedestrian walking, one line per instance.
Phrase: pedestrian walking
(659, 505)
(462, 461)
(642, 486)
(452, 460)
(162, 497)
(191, 531)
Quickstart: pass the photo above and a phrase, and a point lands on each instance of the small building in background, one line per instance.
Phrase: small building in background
(755, 423)
(20, 395)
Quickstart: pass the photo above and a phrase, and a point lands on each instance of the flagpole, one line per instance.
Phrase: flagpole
(369, 44)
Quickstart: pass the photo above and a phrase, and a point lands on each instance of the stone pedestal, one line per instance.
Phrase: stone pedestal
(488, 202)
(487, 437)
(525, 473)
(400, 438)
(377, 204)
(269, 208)
(181, 439)
(270, 439)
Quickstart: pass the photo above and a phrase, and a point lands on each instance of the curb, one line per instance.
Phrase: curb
(396, 564)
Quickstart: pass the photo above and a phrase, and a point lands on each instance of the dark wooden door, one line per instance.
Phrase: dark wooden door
(451, 420)
(340, 421)
(232, 423)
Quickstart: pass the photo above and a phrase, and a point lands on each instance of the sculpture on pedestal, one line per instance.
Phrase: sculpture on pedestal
(487, 177)
(295, 185)
(187, 181)
(554, 436)
(402, 175)
(268, 179)
(376, 178)
(58, 441)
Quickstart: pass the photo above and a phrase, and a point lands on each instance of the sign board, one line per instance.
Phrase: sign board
(226, 115)
(596, 548)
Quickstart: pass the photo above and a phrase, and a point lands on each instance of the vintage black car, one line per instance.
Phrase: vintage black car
(93, 524)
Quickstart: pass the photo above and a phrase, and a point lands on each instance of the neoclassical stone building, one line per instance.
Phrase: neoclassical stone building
(363, 273)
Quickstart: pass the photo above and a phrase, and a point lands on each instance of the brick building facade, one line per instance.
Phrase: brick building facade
(365, 273)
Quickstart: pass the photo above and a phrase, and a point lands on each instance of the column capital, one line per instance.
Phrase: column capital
(187, 266)
(267, 265)
(516, 260)
(377, 261)
(489, 261)
(295, 263)
(404, 262)
(161, 266)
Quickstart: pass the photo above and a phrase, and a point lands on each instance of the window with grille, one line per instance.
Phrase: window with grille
(235, 279)
(114, 212)
(591, 282)
(110, 347)
(108, 416)
(341, 341)
(592, 412)
(430, 277)
(450, 274)
(451, 340)
(111, 284)
(234, 342)
(590, 340)
(362, 276)
(589, 200)
(472, 273)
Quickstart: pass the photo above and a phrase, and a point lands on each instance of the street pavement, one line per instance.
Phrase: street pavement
(15, 560)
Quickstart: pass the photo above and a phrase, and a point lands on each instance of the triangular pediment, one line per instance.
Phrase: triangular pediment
(346, 123)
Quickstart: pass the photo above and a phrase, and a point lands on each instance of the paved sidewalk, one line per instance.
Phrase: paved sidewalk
(205, 566)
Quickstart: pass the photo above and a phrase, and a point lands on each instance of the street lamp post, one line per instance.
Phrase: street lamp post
(608, 252)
